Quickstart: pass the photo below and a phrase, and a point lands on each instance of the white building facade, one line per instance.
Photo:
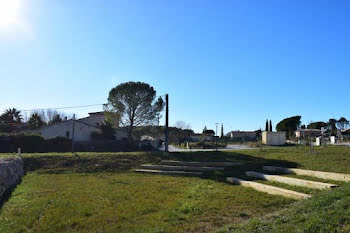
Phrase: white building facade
(274, 138)
(82, 128)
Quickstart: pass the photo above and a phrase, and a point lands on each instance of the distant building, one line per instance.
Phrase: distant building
(82, 128)
(305, 133)
(194, 138)
(208, 135)
(345, 134)
(274, 138)
(243, 135)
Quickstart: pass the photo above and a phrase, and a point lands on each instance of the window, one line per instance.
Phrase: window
(67, 134)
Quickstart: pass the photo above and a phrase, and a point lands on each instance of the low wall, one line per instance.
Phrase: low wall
(11, 172)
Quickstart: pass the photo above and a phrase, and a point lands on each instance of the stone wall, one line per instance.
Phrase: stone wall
(11, 172)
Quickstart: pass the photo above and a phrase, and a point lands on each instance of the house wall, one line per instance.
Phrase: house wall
(307, 133)
(274, 138)
(243, 135)
(82, 132)
(94, 119)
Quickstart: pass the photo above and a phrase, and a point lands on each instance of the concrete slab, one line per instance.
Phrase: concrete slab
(269, 189)
(291, 181)
(180, 173)
(200, 164)
(181, 168)
(318, 174)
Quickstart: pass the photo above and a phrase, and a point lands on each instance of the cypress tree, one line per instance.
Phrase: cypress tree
(267, 126)
(270, 126)
(222, 130)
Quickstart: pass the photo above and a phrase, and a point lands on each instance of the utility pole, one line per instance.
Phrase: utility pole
(166, 143)
(73, 119)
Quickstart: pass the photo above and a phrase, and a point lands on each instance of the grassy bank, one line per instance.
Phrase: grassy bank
(98, 192)
(324, 212)
(128, 202)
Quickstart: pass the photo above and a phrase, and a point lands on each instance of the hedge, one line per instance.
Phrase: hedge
(31, 143)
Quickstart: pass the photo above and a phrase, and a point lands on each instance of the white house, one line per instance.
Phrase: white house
(82, 128)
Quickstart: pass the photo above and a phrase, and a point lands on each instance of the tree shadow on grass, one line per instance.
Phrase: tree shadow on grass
(249, 163)
(56, 164)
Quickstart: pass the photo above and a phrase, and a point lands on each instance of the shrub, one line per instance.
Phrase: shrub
(28, 143)
(58, 144)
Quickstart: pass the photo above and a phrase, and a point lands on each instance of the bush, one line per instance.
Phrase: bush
(58, 144)
(31, 143)
(28, 143)
(5, 143)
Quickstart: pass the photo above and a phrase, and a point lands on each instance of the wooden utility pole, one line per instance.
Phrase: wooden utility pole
(166, 143)
(73, 133)
(216, 137)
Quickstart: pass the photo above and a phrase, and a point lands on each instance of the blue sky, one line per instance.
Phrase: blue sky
(231, 62)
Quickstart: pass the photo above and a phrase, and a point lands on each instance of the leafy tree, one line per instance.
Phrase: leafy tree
(135, 104)
(182, 125)
(317, 125)
(342, 123)
(52, 116)
(289, 125)
(209, 132)
(107, 130)
(302, 127)
(178, 136)
(332, 126)
(55, 119)
(35, 121)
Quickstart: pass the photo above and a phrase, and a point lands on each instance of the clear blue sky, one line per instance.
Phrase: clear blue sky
(231, 62)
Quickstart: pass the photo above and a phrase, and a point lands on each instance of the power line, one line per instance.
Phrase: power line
(60, 108)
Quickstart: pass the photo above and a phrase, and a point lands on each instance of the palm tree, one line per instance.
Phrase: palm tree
(12, 115)
(35, 121)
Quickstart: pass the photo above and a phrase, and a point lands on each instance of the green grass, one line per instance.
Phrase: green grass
(97, 192)
(324, 212)
(128, 202)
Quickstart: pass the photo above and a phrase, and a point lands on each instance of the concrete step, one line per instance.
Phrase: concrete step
(161, 172)
(291, 181)
(199, 164)
(181, 168)
(269, 189)
(318, 174)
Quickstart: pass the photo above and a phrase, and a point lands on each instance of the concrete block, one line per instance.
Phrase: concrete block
(200, 164)
(181, 173)
(181, 168)
(318, 174)
(291, 181)
(269, 189)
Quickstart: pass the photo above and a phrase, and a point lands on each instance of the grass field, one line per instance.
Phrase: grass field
(97, 192)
